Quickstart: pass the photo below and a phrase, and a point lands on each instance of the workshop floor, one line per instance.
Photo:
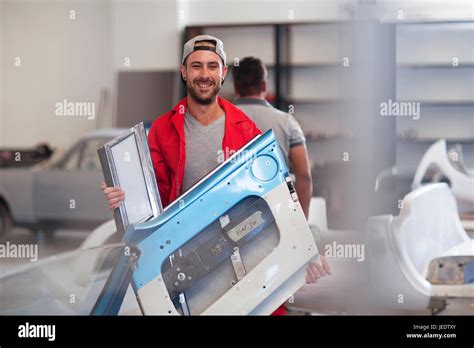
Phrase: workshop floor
(67, 240)
(62, 241)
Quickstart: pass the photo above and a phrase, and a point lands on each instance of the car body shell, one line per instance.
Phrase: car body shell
(60, 191)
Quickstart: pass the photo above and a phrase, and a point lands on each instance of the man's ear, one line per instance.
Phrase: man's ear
(225, 69)
(263, 86)
(183, 72)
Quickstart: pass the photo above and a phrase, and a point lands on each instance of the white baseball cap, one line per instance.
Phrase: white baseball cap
(190, 47)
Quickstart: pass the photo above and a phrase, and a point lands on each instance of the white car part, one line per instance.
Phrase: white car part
(436, 158)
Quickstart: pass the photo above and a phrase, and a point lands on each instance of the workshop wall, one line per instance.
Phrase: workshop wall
(54, 51)
(202, 12)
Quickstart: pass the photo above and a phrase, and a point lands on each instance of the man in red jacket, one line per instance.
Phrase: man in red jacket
(187, 142)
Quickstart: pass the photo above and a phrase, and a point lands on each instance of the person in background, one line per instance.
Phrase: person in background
(251, 86)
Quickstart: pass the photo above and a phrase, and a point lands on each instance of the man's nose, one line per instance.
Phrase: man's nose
(205, 72)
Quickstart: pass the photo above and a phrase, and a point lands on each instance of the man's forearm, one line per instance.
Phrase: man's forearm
(304, 190)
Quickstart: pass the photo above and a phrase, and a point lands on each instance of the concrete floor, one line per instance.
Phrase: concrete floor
(61, 241)
(68, 240)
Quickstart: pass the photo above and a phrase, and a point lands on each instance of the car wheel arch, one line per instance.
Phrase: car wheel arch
(5, 226)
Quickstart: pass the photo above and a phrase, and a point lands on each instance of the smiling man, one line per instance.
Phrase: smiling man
(187, 142)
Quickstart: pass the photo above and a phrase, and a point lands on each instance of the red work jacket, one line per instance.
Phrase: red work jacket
(168, 147)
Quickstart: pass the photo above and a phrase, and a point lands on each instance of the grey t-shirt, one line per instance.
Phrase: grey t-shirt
(288, 132)
(203, 148)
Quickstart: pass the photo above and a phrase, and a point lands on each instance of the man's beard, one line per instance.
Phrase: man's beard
(193, 91)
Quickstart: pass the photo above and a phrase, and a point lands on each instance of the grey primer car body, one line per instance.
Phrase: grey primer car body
(63, 191)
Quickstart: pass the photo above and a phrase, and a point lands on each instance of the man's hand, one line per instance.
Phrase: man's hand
(113, 195)
(316, 270)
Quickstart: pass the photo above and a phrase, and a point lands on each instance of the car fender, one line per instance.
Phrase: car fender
(14, 181)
